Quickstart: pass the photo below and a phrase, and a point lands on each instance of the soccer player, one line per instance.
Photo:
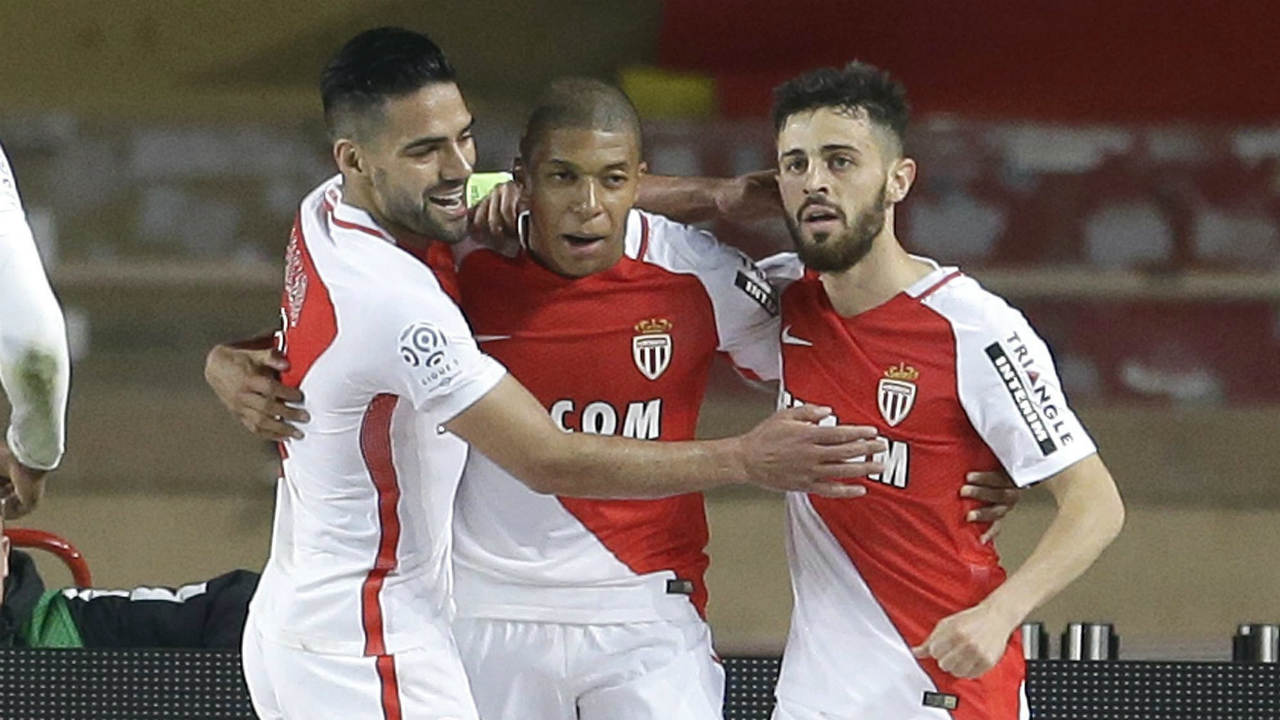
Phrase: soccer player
(900, 610)
(34, 365)
(576, 607)
(351, 616)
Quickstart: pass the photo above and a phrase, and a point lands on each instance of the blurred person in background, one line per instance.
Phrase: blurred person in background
(569, 606)
(207, 614)
(351, 617)
(34, 365)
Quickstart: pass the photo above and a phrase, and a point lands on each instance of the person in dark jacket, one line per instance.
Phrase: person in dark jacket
(208, 614)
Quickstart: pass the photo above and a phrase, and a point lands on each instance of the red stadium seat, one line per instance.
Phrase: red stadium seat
(47, 541)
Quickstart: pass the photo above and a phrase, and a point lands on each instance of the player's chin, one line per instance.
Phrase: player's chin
(448, 229)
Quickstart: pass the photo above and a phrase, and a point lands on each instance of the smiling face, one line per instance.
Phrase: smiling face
(838, 175)
(410, 168)
(581, 184)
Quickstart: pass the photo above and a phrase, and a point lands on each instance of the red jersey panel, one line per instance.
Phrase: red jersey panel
(622, 352)
(933, 369)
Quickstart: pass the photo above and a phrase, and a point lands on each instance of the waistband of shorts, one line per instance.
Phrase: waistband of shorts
(644, 598)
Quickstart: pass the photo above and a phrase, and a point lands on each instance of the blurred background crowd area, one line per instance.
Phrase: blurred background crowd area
(1113, 170)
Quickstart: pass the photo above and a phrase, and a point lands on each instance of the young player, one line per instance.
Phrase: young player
(900, 610)
(351, 616)
(34, 365)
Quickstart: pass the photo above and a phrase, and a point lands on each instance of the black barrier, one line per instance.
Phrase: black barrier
(173, 684)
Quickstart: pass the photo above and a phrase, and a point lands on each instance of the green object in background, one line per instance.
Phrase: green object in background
(481, 184)
(51, 624)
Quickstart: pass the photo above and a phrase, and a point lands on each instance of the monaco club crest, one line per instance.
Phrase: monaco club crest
(651, 347)
(896, 394)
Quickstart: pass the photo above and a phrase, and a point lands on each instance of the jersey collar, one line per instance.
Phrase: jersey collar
(936, 276)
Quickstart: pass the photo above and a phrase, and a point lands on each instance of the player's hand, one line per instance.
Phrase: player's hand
(497, 214)
(790, 451)
(970, 642)
(997, 493)
(753, 196)
(247, 383)
(21, 488)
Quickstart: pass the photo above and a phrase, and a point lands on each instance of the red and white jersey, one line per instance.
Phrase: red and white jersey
(622, 352)
(360, 560)
(956, 380)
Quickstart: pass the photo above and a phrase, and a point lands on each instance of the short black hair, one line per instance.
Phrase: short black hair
(374, 66)
(580, 103)
(856, 86)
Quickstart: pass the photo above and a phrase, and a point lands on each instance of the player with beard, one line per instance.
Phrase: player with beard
(900, 610)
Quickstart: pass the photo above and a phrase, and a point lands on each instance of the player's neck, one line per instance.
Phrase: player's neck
(885, 271)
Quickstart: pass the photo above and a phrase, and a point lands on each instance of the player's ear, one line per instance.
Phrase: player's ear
(643, 169)
(901, 175)
(346, 154)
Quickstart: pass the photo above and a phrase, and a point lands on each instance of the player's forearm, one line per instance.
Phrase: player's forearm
(1090, 515)
(744, 198)
(35, 367)
(586, 465)
(687, 199)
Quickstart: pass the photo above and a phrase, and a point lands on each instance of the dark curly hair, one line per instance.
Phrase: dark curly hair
(856, 86)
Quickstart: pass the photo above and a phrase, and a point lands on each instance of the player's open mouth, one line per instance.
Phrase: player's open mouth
(451, 203)
(819, 213)
(583, 241)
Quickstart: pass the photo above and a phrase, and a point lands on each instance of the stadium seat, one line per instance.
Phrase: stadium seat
(49, 542)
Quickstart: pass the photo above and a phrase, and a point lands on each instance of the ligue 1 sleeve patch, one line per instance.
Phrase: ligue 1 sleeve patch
(432, 360)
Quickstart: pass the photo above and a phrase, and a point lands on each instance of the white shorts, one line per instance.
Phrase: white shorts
(630, 671)
(287, 683)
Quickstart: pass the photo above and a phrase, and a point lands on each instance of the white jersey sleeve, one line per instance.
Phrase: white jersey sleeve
(744, 301)
(781, 269)
(425, 351)
(34, 365)
(1008, 385)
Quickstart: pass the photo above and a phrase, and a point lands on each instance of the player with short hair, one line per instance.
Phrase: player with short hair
(35, 368)
(351, 617)
(900, 610)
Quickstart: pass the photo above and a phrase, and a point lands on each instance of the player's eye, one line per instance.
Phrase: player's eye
(794, 165)
(615, 181)
(841, 162)
(561, 175)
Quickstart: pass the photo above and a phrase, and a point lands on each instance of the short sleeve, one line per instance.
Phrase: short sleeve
(1009, 387)
(744, 301)
(430, 358)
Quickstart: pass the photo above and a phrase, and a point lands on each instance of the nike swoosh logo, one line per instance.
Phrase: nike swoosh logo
(491, 338)
(789, 339)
